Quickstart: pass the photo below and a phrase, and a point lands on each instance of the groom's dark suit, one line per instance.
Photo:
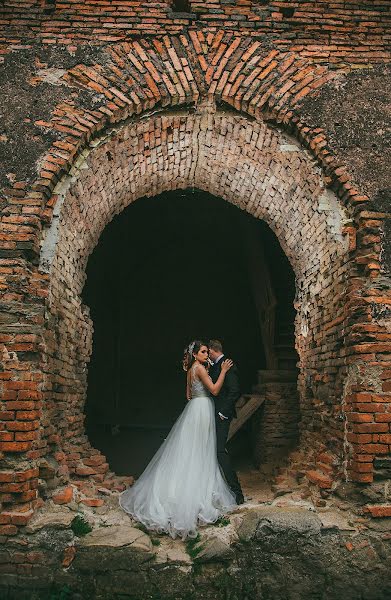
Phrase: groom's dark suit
(225, 404)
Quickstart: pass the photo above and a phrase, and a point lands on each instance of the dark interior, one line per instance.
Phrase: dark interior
(167, 270)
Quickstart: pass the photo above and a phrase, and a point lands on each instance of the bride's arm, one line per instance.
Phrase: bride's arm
(188, 394)
(214, 388)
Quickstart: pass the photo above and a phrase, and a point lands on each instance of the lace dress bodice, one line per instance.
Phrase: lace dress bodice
(197, 388)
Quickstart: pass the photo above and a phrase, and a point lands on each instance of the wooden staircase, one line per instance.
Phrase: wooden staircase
(245, 408)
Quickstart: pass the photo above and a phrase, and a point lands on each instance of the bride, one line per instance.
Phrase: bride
(182, 487)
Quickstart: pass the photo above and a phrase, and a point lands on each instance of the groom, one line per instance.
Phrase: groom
(225, 410)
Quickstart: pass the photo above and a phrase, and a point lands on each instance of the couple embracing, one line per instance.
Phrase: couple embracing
(190, 481)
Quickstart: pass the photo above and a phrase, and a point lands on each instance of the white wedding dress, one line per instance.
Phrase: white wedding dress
(182, 487)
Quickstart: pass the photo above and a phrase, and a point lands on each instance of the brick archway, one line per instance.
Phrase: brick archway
(220, 93)
(247, 163)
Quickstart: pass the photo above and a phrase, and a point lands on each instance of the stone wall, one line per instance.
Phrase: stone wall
(285, 552)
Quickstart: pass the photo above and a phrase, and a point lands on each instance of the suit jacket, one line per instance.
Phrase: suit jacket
(230, 392)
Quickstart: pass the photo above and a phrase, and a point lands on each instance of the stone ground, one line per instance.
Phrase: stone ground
(285, 542)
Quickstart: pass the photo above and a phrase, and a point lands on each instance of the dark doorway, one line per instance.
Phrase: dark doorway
(167, 270)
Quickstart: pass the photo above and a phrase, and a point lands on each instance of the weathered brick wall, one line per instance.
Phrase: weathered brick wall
(274, 429)
(236, 118)
(356, 31)
(247, 164)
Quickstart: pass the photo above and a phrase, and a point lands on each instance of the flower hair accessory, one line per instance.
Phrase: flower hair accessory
(187, 355)
(190, 348)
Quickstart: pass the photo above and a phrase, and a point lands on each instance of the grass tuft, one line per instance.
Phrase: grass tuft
(142, 528)
(193, 547)
(80, 526)
(222, 522)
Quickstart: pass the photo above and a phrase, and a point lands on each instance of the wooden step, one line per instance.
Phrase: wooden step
(284, 346)
(245, 411)
(277, 375)
(287, 355)
(281, 336)
(287, 362)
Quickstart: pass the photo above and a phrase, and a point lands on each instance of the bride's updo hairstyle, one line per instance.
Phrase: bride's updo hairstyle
(190, 350)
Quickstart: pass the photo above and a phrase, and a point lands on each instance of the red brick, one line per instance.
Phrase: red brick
(349, 546)
(4, 518)
(15, 446)
(25, 475)
(36, 557)
(379, 510)
(94, 460)
(7, 415)
(362, 467)
(14, 487)
(19, 385)
(84, 471)
(20, 405)
(359, 438)
(19, 518)
(22, 425)
(8, 530)
(370, 427)
(92, 501)
(321, 480)
(361, 477)
(29, 395)
(372, 448)
(69, 555)
(28, 496)
(22, 436)
(360, 417)
(6, 498)
(383, 418)
(27, 415)
(363, 457)
(64, 496)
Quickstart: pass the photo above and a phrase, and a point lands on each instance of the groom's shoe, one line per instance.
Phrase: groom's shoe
(239, 499)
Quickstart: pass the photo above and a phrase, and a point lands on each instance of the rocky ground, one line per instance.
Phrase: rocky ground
(284, 543)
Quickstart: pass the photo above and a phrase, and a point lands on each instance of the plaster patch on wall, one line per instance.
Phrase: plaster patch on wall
(289, 148)
(49, 241)
(289, 143)
(336, 217)
(303, 310)
(53, 76)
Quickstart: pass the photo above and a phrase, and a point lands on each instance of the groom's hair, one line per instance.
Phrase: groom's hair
(216, 345)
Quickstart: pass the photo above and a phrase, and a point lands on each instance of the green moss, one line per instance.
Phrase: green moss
(194, 547)
(222, 522)
(80, 526)
(155, 541)
(141, 527)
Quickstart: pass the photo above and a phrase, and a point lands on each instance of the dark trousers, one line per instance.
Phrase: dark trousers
(222, 428)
